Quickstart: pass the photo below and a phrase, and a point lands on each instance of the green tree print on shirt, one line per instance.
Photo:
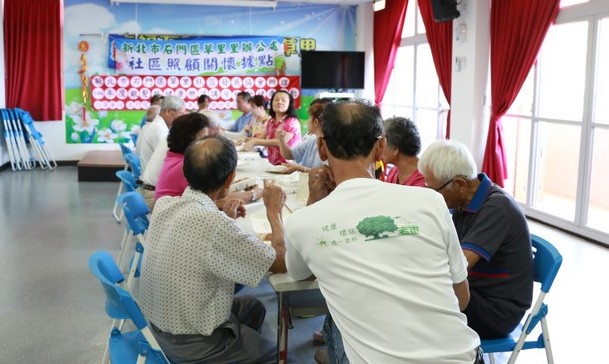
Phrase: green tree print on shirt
(375, 225)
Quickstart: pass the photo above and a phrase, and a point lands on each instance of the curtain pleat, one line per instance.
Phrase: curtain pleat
(33, 47)
(518, 28)
(439, 37)
(388, 24)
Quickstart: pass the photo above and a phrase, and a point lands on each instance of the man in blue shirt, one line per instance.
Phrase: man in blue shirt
(243, 105)
(494, 236)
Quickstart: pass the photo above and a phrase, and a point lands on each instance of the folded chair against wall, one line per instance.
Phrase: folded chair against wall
(546, 263)
(33, 136)
(137, 346)
(116, 210)
(136, 214)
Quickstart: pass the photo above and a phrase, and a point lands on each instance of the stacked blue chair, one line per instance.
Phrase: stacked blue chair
(138, 345)
(136, 213)
(116, 210)
(546, 263)
(133, 161)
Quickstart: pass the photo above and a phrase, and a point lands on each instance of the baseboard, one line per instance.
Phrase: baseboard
(7, 165)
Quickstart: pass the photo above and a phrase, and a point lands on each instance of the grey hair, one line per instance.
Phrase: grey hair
(172, 103)
(446, 159)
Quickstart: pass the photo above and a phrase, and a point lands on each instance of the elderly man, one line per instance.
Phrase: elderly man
(196, 254)
(386, 256)
(494, 236)
(155, 132)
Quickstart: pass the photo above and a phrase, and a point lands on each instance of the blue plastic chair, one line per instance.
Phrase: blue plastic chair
(124, 347)
(128, 181)
(546, 263)
(136, 213)
(116, 210)
(133, 161)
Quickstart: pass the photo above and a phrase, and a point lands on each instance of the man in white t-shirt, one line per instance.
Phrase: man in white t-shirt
(154, 132)
(386, 256)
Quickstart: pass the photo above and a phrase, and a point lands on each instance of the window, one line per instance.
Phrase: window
(557, 129)
(413, 90)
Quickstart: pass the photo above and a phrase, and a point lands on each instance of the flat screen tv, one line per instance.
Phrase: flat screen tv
(332, 70)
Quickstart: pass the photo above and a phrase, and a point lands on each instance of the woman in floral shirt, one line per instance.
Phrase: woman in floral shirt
(283, 118)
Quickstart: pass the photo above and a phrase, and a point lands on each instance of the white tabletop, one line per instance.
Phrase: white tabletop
(296, 186)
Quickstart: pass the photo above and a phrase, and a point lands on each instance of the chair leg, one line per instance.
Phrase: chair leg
(115, 324)
(106, 358)
(125, 243)
(117, 210)
(546, 340)
(133, 267)
(491, 358)
(283, 319)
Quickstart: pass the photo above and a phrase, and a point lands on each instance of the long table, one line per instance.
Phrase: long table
(251, 166)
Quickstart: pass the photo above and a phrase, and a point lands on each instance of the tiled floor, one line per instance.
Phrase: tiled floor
(51, 308)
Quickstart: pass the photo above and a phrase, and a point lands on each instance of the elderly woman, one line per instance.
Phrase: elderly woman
(403, 146)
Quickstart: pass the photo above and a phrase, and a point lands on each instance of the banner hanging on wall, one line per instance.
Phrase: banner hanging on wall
(123, 92)
(196, 55)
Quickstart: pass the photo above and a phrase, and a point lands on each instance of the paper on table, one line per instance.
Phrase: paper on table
(261, 224)
(248, 156)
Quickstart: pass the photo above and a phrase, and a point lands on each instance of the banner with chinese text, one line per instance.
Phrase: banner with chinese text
(197, 55)
(133, 92)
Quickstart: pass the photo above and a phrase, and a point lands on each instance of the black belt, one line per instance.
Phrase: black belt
(148, 187)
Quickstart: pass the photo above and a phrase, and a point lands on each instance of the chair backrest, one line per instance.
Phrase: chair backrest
(125, 150)
(119, 302)
(128, 180)
(546, 262)
(136, 211)
(134, 164)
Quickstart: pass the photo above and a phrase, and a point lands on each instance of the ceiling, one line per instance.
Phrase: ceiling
(244, 3)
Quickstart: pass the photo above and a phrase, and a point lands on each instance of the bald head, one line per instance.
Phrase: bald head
(209, 162)
(351, 128)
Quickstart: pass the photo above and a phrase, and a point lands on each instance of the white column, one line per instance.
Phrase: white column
(470, 100)
(364, 41)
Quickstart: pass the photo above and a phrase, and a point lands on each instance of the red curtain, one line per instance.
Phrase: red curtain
(439, 37)
(33, 45)
(518, 28)
(388, 24)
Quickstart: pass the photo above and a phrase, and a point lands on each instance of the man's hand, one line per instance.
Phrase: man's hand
(321, 183)
(291, 168)
(249, 144)
(233, 207)
(274, 197)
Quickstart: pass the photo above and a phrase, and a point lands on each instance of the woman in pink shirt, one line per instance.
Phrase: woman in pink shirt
(283, 118)
(185, 129)
(403, 146)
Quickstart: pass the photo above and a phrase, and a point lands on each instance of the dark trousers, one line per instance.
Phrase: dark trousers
(235, 341)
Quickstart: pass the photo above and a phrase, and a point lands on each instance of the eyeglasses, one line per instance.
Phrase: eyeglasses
(448, 182)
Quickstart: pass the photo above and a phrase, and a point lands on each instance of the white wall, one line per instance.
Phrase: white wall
(469, 95)
(53, 134)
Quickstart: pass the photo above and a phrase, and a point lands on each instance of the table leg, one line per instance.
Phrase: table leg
(283, 318)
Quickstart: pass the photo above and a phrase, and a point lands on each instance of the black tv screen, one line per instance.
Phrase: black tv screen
(332, 70)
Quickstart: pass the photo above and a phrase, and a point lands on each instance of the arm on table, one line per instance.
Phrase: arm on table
(274, 200)
(281, 137)
(321, 183)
